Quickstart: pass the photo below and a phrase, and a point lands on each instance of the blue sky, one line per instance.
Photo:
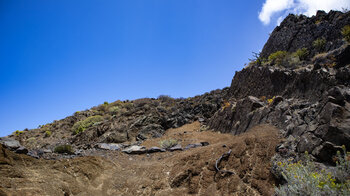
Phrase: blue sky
(58, 57)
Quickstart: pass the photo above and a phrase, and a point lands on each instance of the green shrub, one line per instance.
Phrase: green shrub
(64, 149)
(128, 105)
(305, 179)
(346, 33)
(114, 109)
(319, 44)
(80, 126)
(48, 133)
(302, 53)
(17, 132)
(165, 98)
(278, 57)
(168, 143)
(105, 103)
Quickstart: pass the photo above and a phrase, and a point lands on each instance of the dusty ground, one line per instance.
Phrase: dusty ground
(167, 173)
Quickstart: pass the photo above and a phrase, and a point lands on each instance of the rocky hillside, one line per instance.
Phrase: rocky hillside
(293, 98)
(122, 121)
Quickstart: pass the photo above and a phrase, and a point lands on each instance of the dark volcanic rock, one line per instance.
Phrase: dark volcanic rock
(176, 148)
(317, 126)
(13, 145)
(155, 149)
(300, 31)
(269, 82)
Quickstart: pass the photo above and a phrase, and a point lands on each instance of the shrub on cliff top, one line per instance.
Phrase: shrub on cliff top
(278, 57)
(80, 126)
(346, 33)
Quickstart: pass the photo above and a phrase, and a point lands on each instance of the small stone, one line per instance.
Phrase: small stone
(135, 150)
(155, 149)
(176, 148)
(193, 146)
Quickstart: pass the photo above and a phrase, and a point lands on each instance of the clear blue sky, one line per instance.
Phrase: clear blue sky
(58, 57)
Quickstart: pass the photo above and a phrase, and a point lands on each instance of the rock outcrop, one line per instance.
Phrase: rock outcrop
(298, 31)
(309, 101)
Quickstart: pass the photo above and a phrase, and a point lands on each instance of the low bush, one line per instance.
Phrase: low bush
(128, 105)
(80, 126)
(346, 33)
(165, 98)
(168, 143)
(114, 110)
(278, 57)
(64, 149)
(17, 132)
(319, 44)
(305, 179)
(302, 53)
(48, 133)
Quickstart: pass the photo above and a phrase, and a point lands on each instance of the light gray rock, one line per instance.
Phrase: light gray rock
(109, 146)
(135, 150)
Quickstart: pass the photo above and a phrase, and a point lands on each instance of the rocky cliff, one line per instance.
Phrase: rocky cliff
(299, 31)
(308, 100)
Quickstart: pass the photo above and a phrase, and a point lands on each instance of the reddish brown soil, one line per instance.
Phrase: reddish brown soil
(168, 173)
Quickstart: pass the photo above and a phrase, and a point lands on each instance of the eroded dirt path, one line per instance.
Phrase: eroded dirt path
(189, 172)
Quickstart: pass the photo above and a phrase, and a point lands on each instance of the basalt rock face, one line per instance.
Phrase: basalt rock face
(306, 82)
(319, 127)
(308, 101)
(300, 31)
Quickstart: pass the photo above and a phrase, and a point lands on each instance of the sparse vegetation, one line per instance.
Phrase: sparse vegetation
(304, 179)
(168, 143)
(64, 149)
(226, 105)
(114, 110)
(271, 100)
(302, 53)
(48, 133)
(319, 44)
(128, 105)
(257, 59)
(17, 132)
(80, 126)
(262, 98)
(165, 98)
(346, 33)
(278, 57)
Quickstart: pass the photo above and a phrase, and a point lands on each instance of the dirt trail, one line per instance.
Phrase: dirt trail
(166, 173)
